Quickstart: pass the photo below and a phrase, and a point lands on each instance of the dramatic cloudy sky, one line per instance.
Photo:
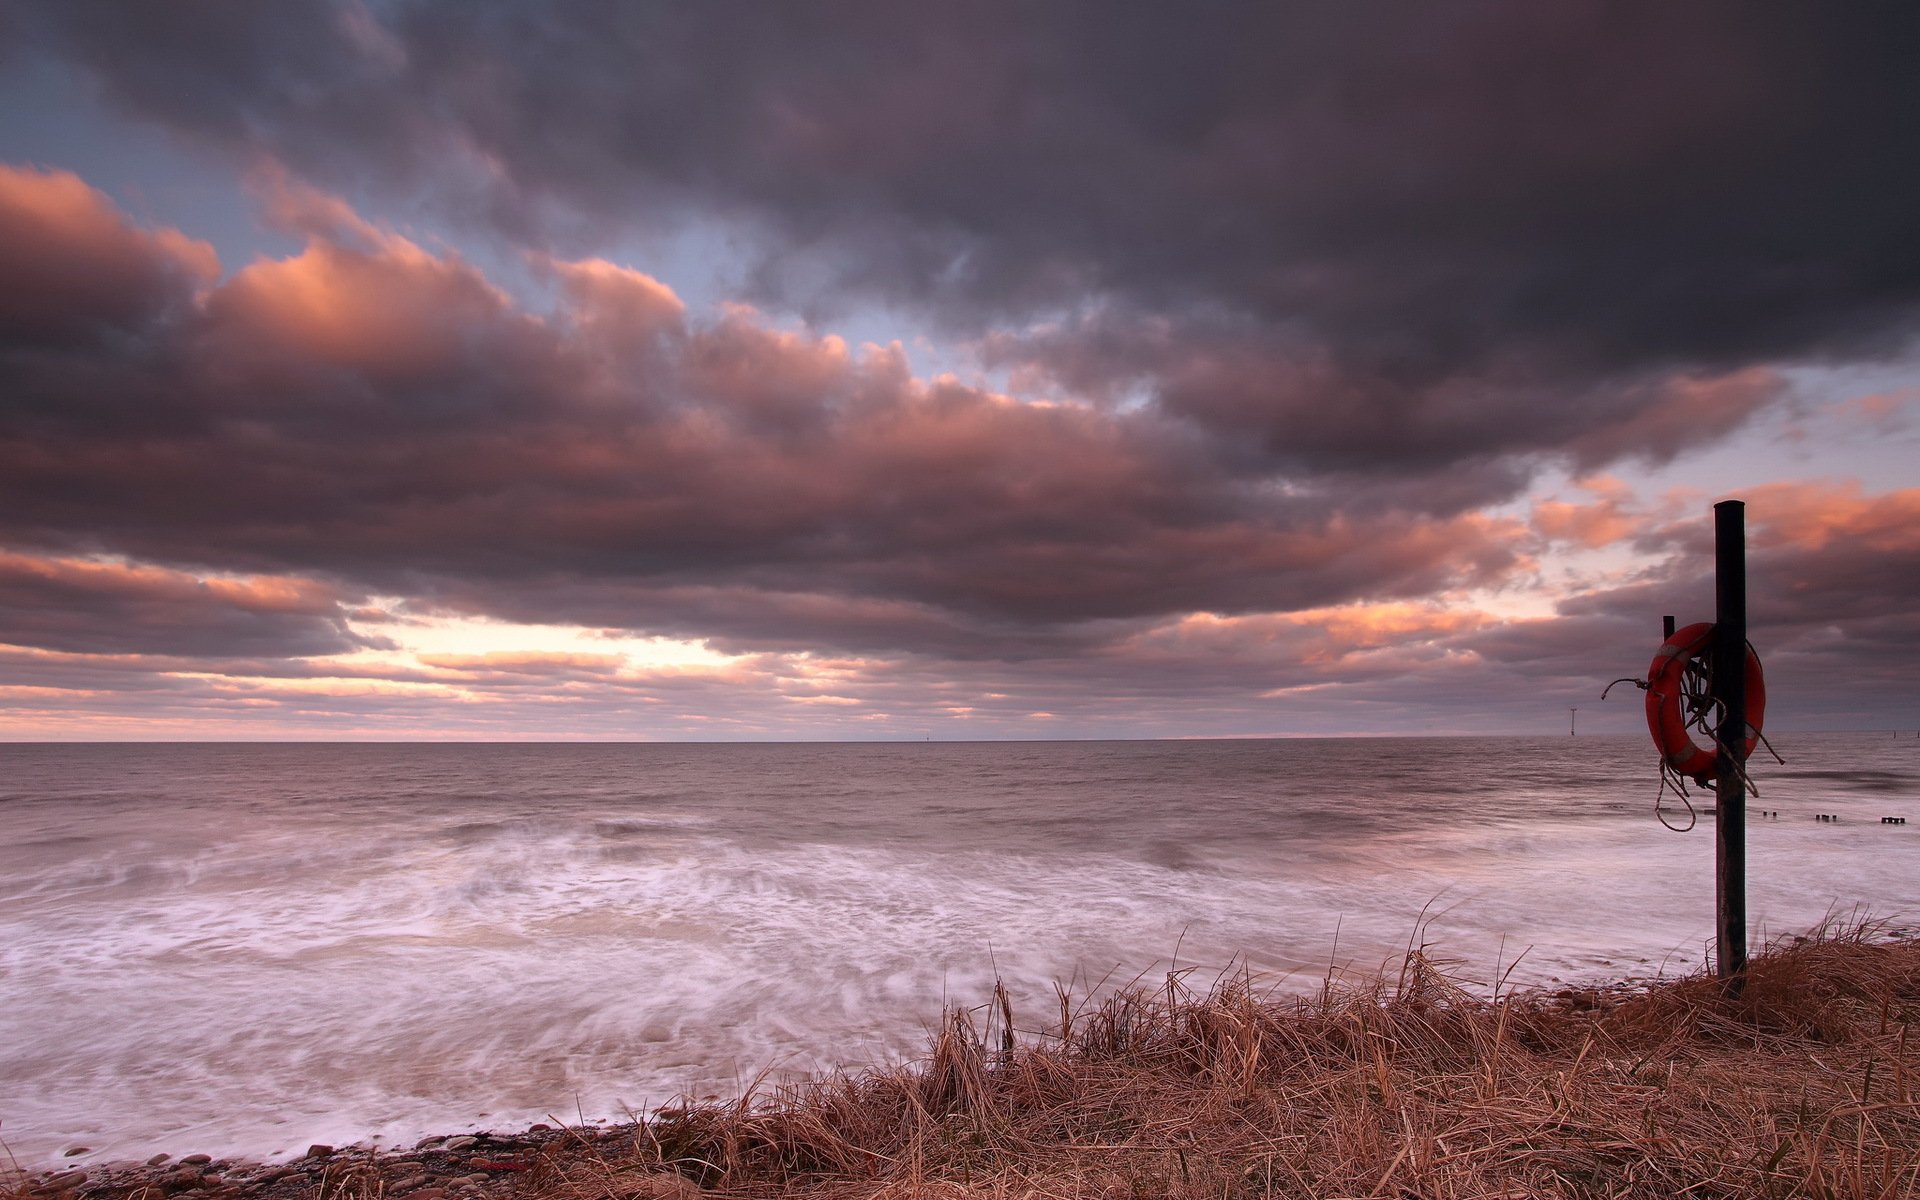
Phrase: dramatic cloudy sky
(881, 370)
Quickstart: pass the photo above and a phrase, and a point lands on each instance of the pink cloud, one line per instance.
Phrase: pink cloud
(80, 604)
(378, 411)
(71, 263)
(370, 417)
(1608, 519)
(393, 314)
(1883, 412)
(534, 663)
(1811, 517)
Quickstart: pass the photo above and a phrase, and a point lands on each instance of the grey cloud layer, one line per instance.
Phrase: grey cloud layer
(1348, 238)
(103, 608)
(372, 413)
(1316, 284)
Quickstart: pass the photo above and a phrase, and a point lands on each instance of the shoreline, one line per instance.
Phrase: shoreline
(1580, 1091)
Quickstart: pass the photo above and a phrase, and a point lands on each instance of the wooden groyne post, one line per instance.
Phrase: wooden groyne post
(1730, 691)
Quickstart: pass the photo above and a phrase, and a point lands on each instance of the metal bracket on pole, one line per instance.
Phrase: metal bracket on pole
(1729, 652)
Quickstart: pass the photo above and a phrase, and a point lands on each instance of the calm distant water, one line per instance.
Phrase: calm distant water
(250, 948)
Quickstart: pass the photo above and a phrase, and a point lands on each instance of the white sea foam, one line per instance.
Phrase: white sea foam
(212, 968)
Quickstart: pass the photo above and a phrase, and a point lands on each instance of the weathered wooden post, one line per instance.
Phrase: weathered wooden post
(1729, 660)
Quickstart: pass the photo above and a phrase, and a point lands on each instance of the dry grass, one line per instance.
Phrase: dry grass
(1802, 1085)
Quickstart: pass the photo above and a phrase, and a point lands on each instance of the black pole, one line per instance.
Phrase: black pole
(1667, 626)
(1730, 690)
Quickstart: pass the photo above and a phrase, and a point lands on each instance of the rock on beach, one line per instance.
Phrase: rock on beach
(481, 1166)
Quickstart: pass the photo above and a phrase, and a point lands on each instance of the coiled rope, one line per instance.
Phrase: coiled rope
(1703, 716)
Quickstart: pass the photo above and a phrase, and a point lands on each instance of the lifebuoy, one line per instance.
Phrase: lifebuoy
(1666, 715)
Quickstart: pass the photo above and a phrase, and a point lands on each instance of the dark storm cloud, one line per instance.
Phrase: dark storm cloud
(1461, 438)
(1357, 238)
(370, 412)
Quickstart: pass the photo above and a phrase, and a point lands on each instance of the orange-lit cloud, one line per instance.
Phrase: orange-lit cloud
(615, 302)
(510, 662)
(379, 411)
(1815, 517)
(392, 314)
(68, 603)
(1681, 412)
(71, 264)
(1610, 518)
(1883, 412)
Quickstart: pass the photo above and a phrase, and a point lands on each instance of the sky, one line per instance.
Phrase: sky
(868, 370)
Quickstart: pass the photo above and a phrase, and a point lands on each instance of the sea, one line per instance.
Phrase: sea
(246, 949)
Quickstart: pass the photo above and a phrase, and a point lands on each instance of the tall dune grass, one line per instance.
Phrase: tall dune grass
(1806, 1083)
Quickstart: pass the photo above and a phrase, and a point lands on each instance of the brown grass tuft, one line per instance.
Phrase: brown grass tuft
(1802, 1085)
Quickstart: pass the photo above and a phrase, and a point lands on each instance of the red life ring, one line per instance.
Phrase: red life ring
(1666, 717)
